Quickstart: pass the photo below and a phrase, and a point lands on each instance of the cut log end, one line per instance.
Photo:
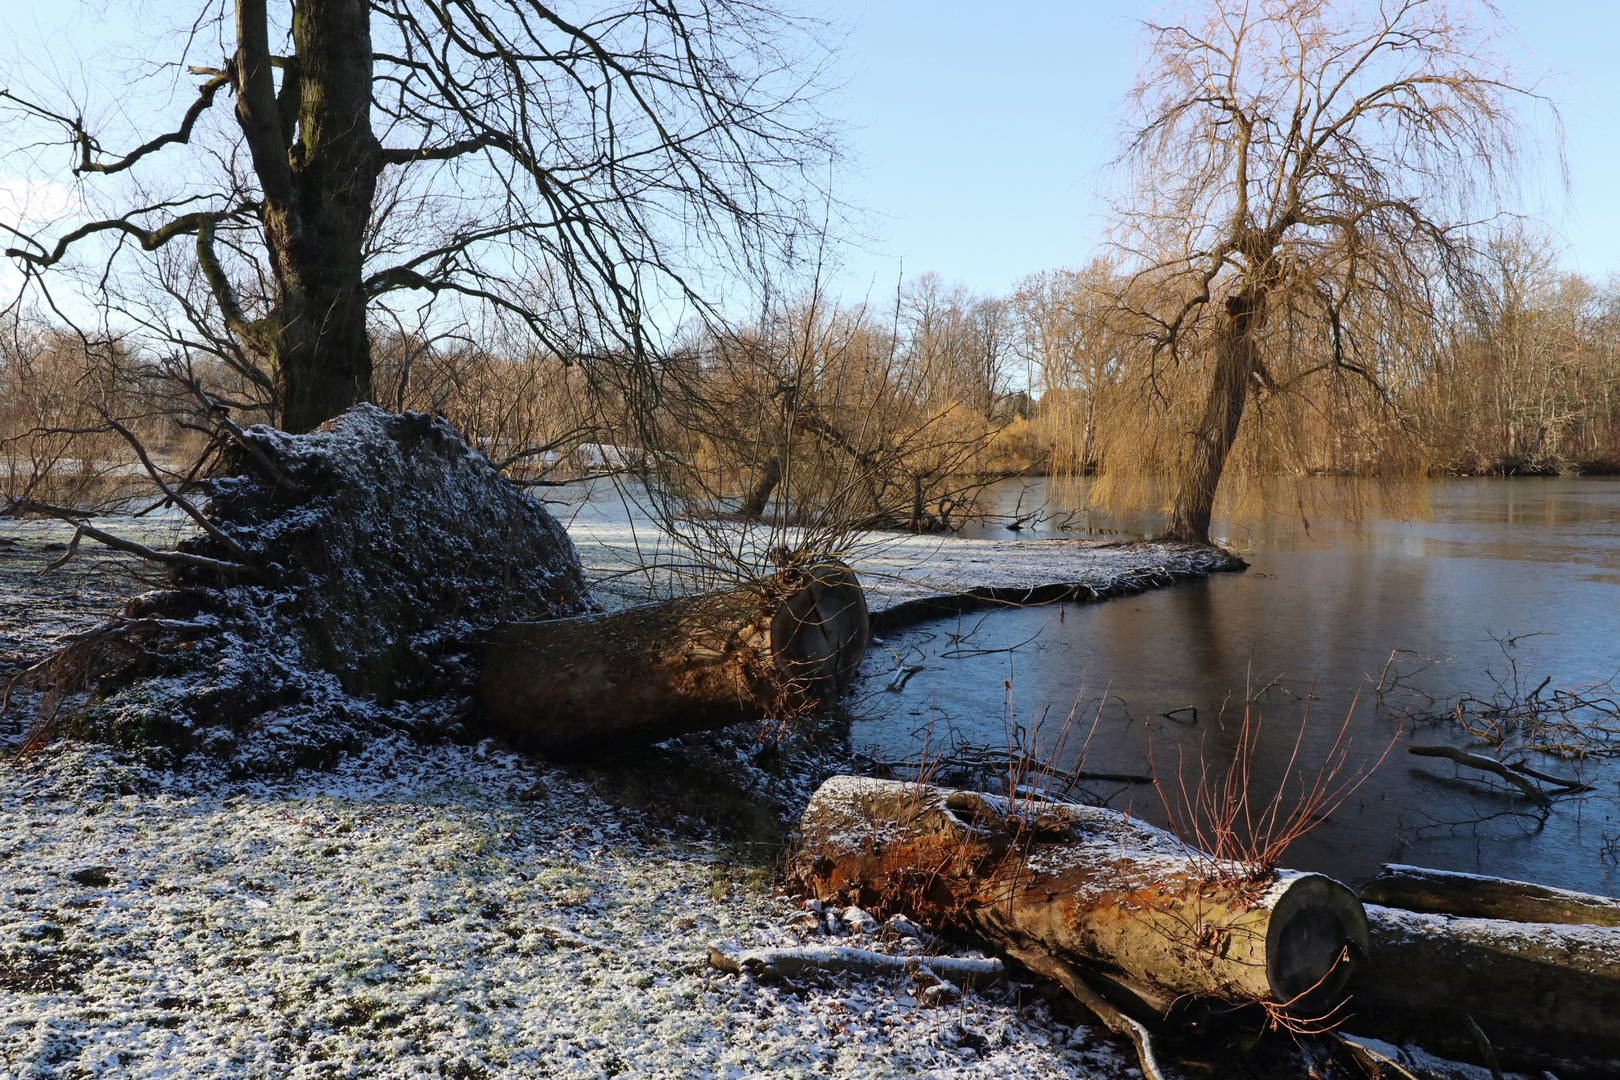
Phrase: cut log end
(1318, 930)
(820, 632)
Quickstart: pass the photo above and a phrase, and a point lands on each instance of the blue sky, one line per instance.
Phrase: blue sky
(980, 131)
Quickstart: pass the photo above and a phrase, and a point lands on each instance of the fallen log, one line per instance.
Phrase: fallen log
(1085, 885)
(596, 684)
(1443, 892)
(772, 964)
(1519, 776)
(1545, 995)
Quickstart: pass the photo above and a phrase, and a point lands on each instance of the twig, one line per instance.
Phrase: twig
(786, 963)
(903, 676)
(1069, 976)
(72, 550)
(118, 543)
(990, 652)
(1485, 1049)
(1485, 764)
(1569, 786)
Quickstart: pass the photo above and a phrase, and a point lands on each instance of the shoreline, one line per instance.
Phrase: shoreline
(444, 908)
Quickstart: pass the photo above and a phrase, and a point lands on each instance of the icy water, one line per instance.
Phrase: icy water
(1504, 576)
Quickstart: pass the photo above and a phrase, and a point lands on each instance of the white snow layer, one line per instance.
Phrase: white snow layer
(406, 914)
(627, 561)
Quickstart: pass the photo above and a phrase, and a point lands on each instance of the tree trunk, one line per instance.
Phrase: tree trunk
(1085, 885)
(1470, 895)
(317, 161)
(1236, 352)
(759, 496)
(1545, 996)
(596, 684)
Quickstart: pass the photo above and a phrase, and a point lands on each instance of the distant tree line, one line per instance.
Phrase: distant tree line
(896, 412)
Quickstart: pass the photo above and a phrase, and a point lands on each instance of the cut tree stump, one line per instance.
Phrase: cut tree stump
(1085, 885)
(597, 684)
(1443, 892)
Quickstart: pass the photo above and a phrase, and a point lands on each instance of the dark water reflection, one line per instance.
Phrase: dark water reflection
(1495, 560)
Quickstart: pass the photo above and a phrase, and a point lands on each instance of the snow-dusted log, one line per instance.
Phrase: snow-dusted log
(791, 963)
(1545, 995)
(596, 684)
(1442, 892)
(1085, 885)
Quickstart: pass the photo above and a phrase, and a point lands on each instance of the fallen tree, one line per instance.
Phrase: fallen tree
(1443, 892)
(1086, 886)
(596, 684)
(359, 577)
(1542, 995)
(339, 587)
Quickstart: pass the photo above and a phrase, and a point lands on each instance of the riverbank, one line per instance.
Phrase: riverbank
(909, 577)
(454, 909)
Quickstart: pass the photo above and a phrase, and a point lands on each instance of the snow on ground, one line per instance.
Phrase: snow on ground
(444, 911)
(439, 911)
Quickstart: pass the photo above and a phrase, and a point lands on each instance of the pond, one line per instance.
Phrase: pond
(1505, 582)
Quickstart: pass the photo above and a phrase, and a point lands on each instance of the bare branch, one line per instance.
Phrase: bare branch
(118, 543)
(88, 145)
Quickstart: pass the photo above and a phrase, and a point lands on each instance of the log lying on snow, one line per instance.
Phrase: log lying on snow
(1087, 886)
(771, 964)
(1544, 994)
(1444, 892)
(600, 683)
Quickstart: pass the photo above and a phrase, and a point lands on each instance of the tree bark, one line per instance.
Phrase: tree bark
(597, 684)
(1236, 352)
(1085, 885)
(1545, 996)
(759, 496)
(1472, 896)
(317, 161)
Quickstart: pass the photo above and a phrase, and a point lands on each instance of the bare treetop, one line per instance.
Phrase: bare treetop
(579, 171)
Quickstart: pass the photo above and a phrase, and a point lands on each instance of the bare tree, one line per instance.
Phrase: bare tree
(576, 171)
(1078, 347)
(1325, 159)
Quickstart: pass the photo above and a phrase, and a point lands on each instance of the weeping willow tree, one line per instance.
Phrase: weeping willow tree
(1323, 418)
(1304, 182)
